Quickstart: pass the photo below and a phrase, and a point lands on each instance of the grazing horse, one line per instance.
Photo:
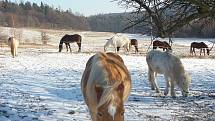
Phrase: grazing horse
(118, 41)
(172, 68)
(13, 43)
(201, 46)
(106, 85)
(70, 39)
(135, 43)
(161, 44)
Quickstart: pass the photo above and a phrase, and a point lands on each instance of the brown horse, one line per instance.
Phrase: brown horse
(106, 85)
(13, 43)
(201, 46)
(161, 44)
(134, 42)
(70, 39)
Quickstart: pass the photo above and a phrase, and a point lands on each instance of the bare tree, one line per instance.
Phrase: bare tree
(167, 16)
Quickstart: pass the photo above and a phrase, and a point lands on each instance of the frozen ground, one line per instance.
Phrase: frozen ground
(44, 85)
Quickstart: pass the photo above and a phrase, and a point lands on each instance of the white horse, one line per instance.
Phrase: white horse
(118, 41)
(13, 43)
(172, 68)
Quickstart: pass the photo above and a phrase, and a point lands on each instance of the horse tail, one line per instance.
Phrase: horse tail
(191, 48)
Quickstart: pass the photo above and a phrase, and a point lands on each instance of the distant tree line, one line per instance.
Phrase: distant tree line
(26, 14)
(116, 22)
(44, 16)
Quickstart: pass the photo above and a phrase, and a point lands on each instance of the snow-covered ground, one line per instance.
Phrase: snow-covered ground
(44, 85)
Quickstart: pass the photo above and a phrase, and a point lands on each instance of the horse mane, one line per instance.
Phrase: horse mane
(112, 60)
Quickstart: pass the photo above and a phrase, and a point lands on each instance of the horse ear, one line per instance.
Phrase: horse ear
(121, 87)
(99, 91)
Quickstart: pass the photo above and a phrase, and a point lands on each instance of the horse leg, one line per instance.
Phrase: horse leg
(69, 48)
(167, 85)
(154, 85)
(66, 47)
(15, 51)
(136, 49)
(172, 88)
(126, 47)
(194, 51)
(79, 47)
(151, 78)
(200, 52)
(204, 51)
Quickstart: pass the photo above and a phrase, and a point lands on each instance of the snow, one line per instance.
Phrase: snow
(42, 84)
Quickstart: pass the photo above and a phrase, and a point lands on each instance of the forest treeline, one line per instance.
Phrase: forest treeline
(32, 15)
(26, 14)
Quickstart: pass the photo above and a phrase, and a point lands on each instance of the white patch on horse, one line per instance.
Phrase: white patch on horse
(112, 110)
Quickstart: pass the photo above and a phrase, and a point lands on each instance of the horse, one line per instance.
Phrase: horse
(70, 39)
(106, 85)
(13, 43)
(118, 41)
(201, 46)
(161, 44)
(172, 68)
(134, 42)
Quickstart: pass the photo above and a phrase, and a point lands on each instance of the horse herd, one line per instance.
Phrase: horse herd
(117, 41)
(106, 81)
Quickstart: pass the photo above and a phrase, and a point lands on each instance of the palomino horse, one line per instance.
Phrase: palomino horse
(172, 68)
(201, 46)
(70, 39)
(161, 44)
(13, 43)
(106, 85)
(118, 41)
(134, 42)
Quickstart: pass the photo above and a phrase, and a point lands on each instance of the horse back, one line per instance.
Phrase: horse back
(164, 62)
(198, 45)
(121, 40)
(71, 38)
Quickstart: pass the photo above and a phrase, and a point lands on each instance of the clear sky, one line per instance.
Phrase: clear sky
(85, 7)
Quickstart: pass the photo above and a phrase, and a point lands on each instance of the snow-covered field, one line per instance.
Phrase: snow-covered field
(44, 85)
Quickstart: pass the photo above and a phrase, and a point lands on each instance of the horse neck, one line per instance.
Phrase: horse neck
(61, 42)
(108, 43)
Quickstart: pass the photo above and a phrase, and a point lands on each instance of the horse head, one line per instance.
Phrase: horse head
(107, 44)
(112, 108)
(185, 82)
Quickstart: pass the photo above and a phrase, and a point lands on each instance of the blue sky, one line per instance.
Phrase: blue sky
(85, 7)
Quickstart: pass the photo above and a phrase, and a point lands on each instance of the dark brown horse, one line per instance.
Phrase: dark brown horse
(161, 44)
(134, 42)
(70, 39)
(201, 46)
